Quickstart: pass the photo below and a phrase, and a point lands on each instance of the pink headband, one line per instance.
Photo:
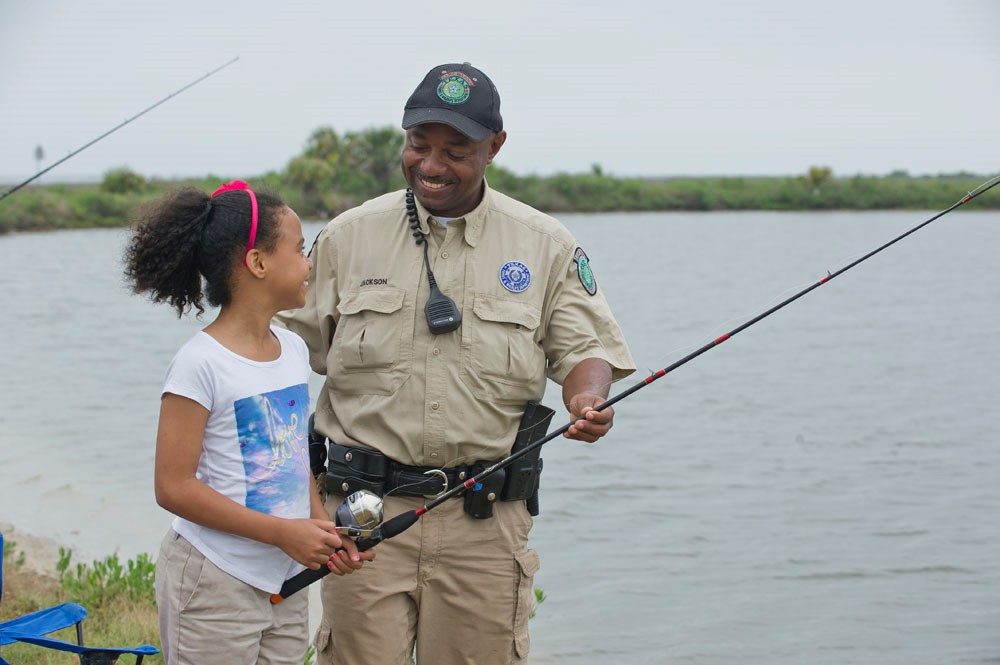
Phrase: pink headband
(242, 185)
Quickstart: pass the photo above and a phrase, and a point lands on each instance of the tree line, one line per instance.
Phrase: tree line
(338, 171)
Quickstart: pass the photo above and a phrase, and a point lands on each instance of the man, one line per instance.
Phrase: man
(436, 318)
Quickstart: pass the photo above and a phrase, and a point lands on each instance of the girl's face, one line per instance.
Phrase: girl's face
(289, 266)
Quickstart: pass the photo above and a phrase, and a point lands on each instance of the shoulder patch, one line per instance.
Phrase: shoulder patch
(584, 272)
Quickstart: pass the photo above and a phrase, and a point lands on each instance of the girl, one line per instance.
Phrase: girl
(232, 460)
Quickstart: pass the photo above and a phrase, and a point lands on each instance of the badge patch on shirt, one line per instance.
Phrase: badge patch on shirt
(515, 276)
(584, 272)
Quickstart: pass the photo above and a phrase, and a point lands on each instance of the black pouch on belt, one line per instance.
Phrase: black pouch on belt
(523, 475)
(317, 448)
(352, 469)
(479, 498)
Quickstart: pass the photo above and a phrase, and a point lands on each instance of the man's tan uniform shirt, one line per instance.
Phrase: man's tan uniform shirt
(441, 400)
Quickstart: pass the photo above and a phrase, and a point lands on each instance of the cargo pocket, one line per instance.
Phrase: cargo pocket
(322, 641)
(502, 360)
(527, 565)
(368, 352)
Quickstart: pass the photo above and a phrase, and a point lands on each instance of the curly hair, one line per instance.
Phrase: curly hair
(188, 239)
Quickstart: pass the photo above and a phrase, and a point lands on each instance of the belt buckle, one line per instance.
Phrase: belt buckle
(444, 482)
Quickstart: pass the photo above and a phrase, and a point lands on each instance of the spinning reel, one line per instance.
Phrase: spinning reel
(359, 514)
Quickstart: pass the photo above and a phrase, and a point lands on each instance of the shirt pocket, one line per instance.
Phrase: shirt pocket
(501, 360)
(368, 346)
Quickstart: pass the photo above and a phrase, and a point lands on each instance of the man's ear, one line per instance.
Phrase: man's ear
(495, 145)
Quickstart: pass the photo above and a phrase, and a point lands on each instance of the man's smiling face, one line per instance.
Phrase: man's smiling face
(445, 168)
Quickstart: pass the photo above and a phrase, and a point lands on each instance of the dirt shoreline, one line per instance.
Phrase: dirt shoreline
(41, 554)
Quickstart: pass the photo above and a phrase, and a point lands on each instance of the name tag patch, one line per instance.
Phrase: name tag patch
(515, 276)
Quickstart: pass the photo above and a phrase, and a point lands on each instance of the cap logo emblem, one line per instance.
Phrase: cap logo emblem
(515, 276)
(454, 87)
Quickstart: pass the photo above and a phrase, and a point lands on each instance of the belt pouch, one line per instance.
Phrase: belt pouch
(317, 448)
(479, 498)
(524, 474)
(352, 469)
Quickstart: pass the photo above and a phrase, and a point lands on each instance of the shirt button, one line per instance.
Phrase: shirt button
(434, 454)
(436, 352)
(435, 405)
(444, 255)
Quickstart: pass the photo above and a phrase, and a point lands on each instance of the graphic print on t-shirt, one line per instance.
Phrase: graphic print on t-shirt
(272, 434)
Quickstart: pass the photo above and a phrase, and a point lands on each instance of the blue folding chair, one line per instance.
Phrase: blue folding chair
(32, 629)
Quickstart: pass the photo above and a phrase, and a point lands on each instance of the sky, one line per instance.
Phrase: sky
(642, 88)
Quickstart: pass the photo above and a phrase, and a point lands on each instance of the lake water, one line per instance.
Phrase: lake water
(823, 488)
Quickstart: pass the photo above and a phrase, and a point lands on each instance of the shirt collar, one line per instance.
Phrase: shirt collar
(474, 219)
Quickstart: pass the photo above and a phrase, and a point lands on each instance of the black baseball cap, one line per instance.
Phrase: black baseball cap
(458, 95)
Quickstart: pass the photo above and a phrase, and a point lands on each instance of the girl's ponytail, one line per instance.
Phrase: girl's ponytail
(189, 235)
(163, 255)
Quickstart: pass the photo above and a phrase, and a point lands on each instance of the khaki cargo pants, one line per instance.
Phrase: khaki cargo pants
(458, 588)
(207, 616)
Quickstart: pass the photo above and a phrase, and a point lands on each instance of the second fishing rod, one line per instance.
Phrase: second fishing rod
(404, 521)
(115, 129)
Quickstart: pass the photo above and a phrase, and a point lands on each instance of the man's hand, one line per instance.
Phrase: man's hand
(594, 424)
(585, 387)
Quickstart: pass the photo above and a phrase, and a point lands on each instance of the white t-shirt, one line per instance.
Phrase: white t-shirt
(255, 449)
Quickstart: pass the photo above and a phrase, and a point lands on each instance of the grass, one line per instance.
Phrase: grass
(119, 600)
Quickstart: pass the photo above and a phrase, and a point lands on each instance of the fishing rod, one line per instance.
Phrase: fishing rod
(115, 129)
(402, 522)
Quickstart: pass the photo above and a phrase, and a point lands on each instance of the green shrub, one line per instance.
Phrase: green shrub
(123, 181)
(94, 584)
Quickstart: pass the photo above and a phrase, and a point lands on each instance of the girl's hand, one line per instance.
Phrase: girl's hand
(308, 541)
(348, 559)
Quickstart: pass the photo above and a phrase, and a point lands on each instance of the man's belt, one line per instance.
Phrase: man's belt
(351, 469)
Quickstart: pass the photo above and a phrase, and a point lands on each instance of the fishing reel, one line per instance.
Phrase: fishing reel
(359, 514)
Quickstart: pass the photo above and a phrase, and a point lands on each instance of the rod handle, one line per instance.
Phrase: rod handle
(308, 576)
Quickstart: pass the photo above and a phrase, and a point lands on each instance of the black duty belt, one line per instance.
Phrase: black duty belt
(351, 469)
